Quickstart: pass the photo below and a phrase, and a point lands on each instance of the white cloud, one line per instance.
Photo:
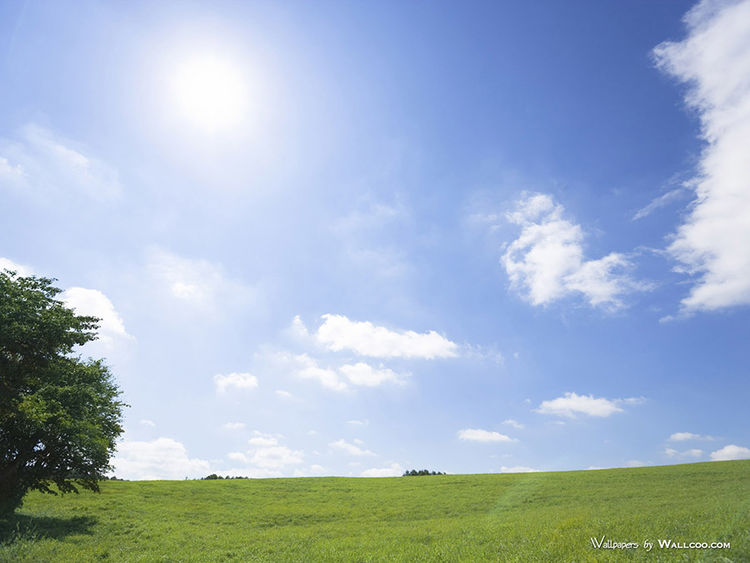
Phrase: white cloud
(238, 456)
(147, 422)
(695, 452)
(307, 368)
(20, 269)
(714, 60)
(339, 333)
(298, 329)
(42, 164)
(634, 463)
(284, 394)
(730, 452)
(546, 263)
(513, 423)
(163, 458)
(311, 471)
(234, 380)
(276, 457)
(92, 302)
(261, 439)
(478, 435)
(393, 470)
(198, 283)
(350, 449)
(571, 404)
(661, 201)
(518, 469)
(234, 426)
(357, 422)
(684, 436)
(364, 374)
(266, 458)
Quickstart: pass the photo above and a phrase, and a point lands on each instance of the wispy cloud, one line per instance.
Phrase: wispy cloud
(198, 283)
(518, 469)
(695, 452)
(513, 423)
(684, 436)
(659, 202)
(571, 404)
(350, 449)
(237, 381)
(42, 164)
(714, 60)
(479, 435)
(393, 470)
(368, 376)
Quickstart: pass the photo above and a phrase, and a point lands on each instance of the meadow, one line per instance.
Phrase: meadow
(494, 517)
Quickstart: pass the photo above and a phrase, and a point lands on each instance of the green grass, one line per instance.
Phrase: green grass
(523, 517)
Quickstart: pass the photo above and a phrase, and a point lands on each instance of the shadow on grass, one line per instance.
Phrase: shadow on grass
(22, 527)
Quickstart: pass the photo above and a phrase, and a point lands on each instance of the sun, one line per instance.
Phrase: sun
(210, 92)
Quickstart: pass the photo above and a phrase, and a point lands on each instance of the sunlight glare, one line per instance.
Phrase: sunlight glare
(210, 92)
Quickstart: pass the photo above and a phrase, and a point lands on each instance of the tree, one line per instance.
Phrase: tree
(59, 415)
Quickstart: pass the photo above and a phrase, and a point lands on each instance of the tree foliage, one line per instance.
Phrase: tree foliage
(59, 415)
(420, 473)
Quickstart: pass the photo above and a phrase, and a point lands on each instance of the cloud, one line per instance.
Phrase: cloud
(364, 374)
(478, 435)
(714, 61)
(683, 436)
(147, 422)
(307, 368)
(163, 458)
(393, 470)
(284, 394)
(261, 439)
(546, 263)
(357, 422)
(267, 458)
(235, 380)
(659, 202)
(41, 164)
(518, 469)
(234, 426)
(634, 463)
(20, 269)
(276, 457)
(198, 283)
(339, 333)
(350, 449)
(92, 302)
(730, 452)
(695, 452)
(571, 404)
(513, 423)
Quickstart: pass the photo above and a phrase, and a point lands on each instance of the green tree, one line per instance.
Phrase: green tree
(59, 415)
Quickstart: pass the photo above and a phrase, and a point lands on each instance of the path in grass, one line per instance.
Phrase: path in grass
(521, 517)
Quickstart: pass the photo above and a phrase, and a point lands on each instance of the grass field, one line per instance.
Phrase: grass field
(520, 517)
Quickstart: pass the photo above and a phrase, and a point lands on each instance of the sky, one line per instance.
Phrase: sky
(357, 238)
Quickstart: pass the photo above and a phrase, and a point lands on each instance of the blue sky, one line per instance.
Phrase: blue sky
(359, 238)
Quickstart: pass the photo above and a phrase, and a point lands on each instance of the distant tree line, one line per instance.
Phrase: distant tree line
(419, 473)
(215, 476)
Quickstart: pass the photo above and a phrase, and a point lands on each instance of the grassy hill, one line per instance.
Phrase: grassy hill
(521, 517)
